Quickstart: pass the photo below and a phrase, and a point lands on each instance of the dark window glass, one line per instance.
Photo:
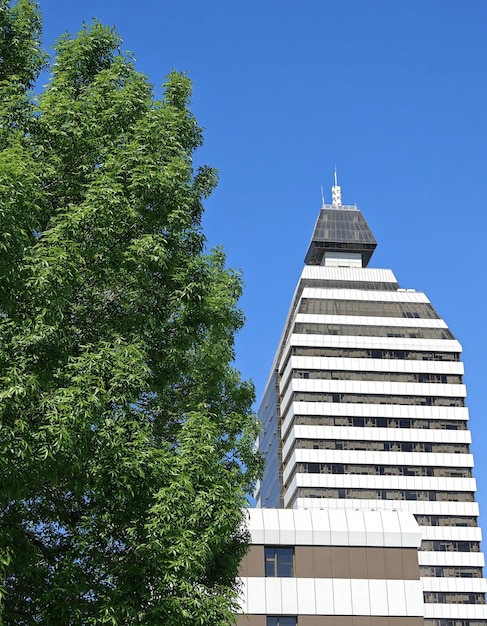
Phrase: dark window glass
(359, 330)
(281, 621)
(279, 562)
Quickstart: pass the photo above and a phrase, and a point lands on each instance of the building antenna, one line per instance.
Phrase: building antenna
(336, 192)
(322, 197)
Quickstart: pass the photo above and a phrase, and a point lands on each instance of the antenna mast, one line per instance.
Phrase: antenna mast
(336, 192)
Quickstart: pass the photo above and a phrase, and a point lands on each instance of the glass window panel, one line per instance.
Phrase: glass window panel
(287, 621)
(270, 561)
(285, 562)
(279, 562)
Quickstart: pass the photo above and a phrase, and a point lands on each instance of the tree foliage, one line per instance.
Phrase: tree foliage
(126, 436)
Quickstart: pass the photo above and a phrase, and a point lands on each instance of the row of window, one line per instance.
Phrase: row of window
(380, 422)
(369, 353)
(322, 283)
(361, 398)
(453, 597)
(383, 470)
(385, 494)
(356, 330)
(450, 572)
(279, 561)
(442, 520)
(367, 308)
(281, 620)
(347, 220)
(440, 545)
(383, 446)
(393, 377)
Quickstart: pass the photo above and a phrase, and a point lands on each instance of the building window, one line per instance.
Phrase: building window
(279, 562)
(281, 621)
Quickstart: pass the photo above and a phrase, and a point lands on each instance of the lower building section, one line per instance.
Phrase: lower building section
(320, 568)
(328, 620)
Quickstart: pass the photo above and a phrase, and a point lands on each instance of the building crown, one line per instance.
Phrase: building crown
(342, 229)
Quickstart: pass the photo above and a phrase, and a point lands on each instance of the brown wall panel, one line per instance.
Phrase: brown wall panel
(341, 562)
(393, 563)
(304, 561)
(253, 562)
(410, 564)
(322, 560)
(358, 563)
(251, 620)
(375, 563)
(361, 620)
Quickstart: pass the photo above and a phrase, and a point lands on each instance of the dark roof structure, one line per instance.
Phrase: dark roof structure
(340, 229)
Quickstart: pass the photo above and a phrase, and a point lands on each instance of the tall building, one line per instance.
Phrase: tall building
(365, 410)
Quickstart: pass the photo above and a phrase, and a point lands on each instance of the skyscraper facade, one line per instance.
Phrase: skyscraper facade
(365, 410)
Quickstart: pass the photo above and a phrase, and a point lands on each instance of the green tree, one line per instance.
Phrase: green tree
(126, 436)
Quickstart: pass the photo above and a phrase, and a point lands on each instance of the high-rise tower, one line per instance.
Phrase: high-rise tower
(365, 409)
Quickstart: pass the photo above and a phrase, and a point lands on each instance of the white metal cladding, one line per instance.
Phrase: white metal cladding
(377, 457)
(379, 410)
(449, 583)
(365, 410)
(366, 503)
(394, 459)
(451, 559)
(364, 433)
(365, 274)
(333, 527)
(417, 507)
(363, 320)
(360, 365)
(372, 387)
(325, 596)
(363, 295)
(375, 343)
(360, 457)
(368, 410)
(414, 506)
(413, 435)
(456, 611)
(374, 457)
(388, 344)
(452, 533)
(362, 481)
(296, 340)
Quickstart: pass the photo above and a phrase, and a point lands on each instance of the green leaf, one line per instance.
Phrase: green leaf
(126, 435)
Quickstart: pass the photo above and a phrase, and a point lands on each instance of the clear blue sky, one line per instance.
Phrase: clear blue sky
(391, 92)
